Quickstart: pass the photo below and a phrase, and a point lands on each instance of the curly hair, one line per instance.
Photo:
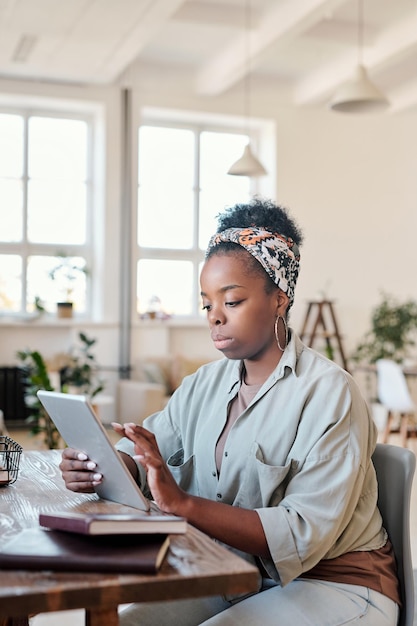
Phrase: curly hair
(262, 213)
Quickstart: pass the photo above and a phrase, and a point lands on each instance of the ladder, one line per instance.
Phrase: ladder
(320, 322)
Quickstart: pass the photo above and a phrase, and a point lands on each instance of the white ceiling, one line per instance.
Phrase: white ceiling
(303, 49)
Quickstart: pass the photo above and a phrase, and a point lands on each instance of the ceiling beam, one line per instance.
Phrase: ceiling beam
(282, 24)
(154, 16)
(230, 16)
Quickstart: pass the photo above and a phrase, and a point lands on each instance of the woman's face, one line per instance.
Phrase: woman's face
(240, 313)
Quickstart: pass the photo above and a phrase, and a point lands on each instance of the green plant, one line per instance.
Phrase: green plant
(36, 378)
(81, 370)
(66, 272)
(392, 332)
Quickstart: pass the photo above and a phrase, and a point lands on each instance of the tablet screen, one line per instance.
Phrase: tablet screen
(81, 429)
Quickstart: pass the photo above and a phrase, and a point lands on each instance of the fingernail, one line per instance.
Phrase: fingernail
(82, 457)
(91, 465)
(97, 477)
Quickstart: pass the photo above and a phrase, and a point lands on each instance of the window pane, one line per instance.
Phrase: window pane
(165, 196)
(11, 210)
(11, 146)
(69, 284)
(57, 212)
(10, 283)
(219, 189)
(167, 283)
(57, 148)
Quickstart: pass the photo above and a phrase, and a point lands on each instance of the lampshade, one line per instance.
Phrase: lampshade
(247, 165)
(359, 95)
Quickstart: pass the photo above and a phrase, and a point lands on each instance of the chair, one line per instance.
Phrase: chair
(395, 468)
(393, 393)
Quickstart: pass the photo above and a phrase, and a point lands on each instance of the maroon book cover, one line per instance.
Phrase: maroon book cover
(39, 549)
(114, 524)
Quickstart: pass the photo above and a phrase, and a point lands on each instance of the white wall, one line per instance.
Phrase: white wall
(351, 181)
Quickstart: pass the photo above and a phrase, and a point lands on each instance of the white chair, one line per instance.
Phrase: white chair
(395, 468)
(393, 393)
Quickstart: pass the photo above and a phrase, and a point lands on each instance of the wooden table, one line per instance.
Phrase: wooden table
(195, 565)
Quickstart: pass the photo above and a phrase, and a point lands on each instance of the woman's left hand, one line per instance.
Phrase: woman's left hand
(165, 491)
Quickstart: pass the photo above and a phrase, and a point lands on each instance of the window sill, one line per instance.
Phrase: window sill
(172, 322)
(49, 322)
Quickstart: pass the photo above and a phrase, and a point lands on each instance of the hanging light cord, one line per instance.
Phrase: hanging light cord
(360, 32)
(247, 76)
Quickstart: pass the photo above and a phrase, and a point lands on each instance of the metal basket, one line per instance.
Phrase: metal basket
(10, 452)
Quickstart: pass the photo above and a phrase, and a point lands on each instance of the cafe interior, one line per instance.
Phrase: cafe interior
(310, 103)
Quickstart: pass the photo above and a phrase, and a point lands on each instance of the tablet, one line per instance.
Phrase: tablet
(81, 429)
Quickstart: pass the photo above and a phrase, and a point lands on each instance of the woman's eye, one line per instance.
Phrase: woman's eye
(206, 307)
(232, 304)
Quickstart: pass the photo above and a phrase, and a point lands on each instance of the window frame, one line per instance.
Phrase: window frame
(194, 254)
(25, 248)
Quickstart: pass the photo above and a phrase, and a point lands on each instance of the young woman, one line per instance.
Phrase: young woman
(268, 450)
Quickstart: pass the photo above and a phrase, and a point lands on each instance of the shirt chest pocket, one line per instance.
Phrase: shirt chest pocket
(264, 484)
(184, 472)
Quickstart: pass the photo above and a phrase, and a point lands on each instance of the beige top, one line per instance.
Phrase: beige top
(244, 397)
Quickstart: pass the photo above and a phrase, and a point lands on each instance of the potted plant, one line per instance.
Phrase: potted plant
(66, 273)
(392, 333)
(36, 377)
(79, 374)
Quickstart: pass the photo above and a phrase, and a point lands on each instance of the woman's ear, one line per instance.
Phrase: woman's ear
(282, 302)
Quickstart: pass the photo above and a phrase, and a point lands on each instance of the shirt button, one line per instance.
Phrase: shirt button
(219, 496)
(226, 454)
(214, 474)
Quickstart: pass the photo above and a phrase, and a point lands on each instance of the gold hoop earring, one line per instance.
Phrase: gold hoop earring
(276, 329)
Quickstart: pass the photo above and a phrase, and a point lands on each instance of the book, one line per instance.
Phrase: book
(42, 549)
(110, 524)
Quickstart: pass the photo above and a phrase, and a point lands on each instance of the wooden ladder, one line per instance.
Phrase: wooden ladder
(320, 322)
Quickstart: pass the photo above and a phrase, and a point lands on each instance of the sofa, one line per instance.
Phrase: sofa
(153, 380)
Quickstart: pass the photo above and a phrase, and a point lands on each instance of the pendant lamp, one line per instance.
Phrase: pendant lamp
(359, 95)
(248, 164)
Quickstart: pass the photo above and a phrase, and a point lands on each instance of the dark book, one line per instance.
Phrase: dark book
(105, 524)
(41, 549)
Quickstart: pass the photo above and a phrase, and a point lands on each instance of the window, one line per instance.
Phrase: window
(44, 210)
(183, 185)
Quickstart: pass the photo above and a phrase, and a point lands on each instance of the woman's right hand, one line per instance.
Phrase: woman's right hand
(79, 472)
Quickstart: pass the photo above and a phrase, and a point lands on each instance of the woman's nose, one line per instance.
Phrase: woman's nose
(215, 317)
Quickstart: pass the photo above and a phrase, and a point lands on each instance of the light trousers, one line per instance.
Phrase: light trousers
(300, 603)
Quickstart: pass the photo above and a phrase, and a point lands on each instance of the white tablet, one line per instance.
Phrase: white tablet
(80, 428)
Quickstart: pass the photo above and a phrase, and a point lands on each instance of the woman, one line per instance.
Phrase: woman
(268, 451)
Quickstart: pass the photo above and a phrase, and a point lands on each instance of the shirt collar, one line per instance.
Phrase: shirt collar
(290, 356)
(289, 359)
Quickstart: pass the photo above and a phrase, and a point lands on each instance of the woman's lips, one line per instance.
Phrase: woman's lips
(221, 342)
